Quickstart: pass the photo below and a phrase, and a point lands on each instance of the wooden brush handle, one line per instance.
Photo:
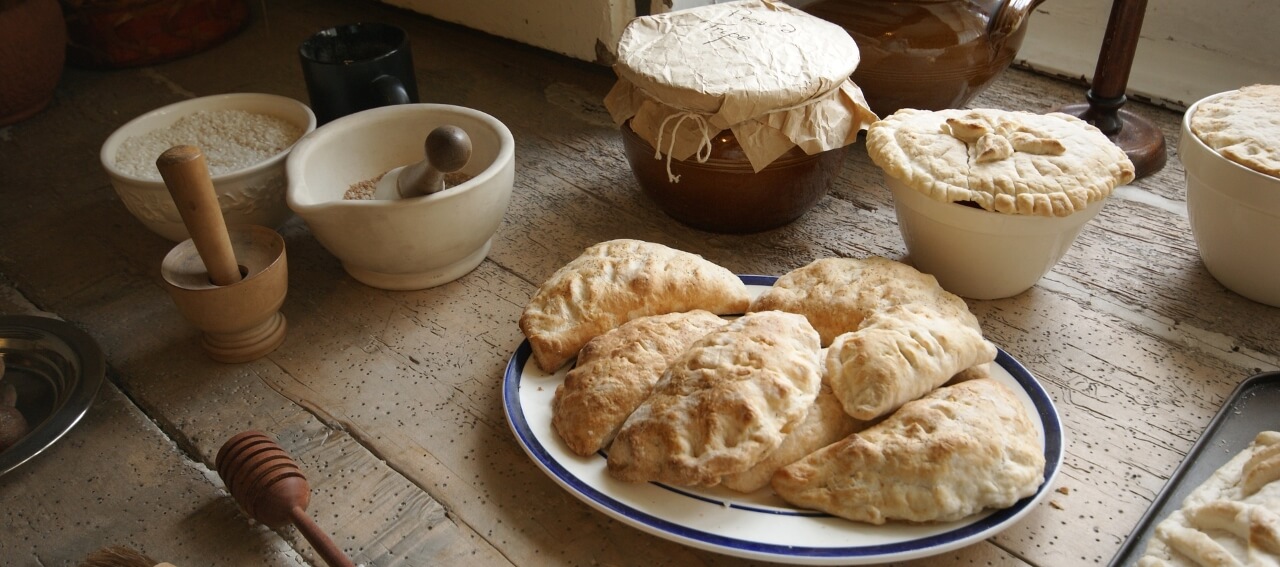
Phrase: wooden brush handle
(320, 541)
(187, 177)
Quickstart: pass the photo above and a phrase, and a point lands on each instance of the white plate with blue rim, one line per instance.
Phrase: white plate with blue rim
(759, 525)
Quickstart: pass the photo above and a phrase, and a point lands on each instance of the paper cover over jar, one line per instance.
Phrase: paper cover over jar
(773, 75)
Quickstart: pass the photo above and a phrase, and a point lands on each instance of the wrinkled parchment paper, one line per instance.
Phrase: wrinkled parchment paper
(775, 76)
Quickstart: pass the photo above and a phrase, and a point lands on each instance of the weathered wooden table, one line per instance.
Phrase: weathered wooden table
(391, 400)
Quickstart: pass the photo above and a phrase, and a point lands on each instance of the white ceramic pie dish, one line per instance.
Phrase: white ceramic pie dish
(980, 254)
(1235, 217)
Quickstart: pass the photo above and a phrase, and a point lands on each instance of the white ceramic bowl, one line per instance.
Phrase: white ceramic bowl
(1235, 217)
(979, 254)
(253, 195)
(405, 243)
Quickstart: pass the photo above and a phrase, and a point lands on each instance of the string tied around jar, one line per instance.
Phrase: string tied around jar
(702, 154)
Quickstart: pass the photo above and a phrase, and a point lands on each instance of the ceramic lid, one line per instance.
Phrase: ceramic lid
(778, 77)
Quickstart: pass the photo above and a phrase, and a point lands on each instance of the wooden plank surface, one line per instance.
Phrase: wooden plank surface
(391, 400)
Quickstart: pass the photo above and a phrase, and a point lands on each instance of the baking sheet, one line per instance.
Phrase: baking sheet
(1247, 411)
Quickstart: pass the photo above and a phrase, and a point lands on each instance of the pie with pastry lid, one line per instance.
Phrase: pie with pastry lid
(1011, 162)
(1243, 126)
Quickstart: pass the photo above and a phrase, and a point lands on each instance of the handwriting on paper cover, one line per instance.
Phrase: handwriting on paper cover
(734, 25)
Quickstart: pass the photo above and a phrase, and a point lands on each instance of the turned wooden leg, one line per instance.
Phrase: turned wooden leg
(1140, 140)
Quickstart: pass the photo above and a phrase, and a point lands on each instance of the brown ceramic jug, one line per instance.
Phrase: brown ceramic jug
(928, 54)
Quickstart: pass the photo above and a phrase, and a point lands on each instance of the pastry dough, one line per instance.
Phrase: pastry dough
(902, 353)
(1022, 163)
(616, 371)
(723, 404)
(616, 281)
(1233, 518)
(955, 452)
(836, 294)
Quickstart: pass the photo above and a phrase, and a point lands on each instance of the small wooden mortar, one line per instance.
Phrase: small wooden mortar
(231, 283)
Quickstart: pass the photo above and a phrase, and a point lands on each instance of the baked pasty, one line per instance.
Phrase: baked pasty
(615, 281)
(1233, 518)
(902, 353)
(616, 371)
(825, 424)
(894, 333)
(836, 294)
(722, 405)
(953, 453)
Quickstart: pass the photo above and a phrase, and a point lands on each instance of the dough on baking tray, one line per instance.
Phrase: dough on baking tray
(616, 371)
(618, 280)
(723, 404)
(955, 452)
(1233, 518)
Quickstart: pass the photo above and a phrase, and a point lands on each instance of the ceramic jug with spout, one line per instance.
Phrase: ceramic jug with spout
(928, 54)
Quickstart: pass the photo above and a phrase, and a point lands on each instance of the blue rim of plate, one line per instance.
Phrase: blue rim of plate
(989, 525)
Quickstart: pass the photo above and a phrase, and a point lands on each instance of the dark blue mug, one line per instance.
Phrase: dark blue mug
(355, 67)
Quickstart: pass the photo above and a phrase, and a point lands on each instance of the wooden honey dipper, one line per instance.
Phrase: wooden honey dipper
(271, 489)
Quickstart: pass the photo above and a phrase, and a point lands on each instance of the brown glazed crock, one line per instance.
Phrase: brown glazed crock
(928, 54)
(33, 41)
(725, 194)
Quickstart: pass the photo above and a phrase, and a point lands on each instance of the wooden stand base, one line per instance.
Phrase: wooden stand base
(1138, 137)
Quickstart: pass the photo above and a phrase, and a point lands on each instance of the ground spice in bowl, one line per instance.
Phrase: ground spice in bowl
(230, 139)
(364, 190)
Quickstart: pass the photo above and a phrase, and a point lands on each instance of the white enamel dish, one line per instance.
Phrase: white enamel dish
(758, 525)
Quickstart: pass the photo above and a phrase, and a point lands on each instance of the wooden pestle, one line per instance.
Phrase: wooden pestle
(271, 489)
(447, 149)
(186, 174)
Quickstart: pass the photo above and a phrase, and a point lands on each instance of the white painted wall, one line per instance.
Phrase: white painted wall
(1189, 48)
(570, 27)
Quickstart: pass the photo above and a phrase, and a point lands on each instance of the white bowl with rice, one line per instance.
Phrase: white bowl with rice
(245, 138)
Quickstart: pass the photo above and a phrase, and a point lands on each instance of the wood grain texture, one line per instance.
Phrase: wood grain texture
(390, 401)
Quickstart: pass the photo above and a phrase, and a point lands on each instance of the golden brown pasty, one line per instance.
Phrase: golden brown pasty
(616, 371)
(957, 451)
(615, 281)
(722, 405)
(825, 424)
(836, 294)
(902, 353)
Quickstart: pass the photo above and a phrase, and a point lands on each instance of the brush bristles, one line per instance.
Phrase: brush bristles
(117, 556)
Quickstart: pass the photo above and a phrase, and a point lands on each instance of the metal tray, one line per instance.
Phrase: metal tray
(56, 370)
(1248, 411)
